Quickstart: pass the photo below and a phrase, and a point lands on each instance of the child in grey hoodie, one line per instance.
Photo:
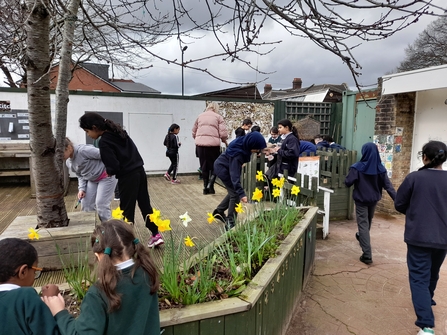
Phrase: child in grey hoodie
(96, 188)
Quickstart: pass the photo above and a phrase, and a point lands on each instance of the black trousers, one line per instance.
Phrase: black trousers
(173, 168)
(133, 188)
(207, 157)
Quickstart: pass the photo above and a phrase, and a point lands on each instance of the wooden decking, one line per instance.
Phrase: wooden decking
(171, 200)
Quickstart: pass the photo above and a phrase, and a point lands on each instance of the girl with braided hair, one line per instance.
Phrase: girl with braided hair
(421, 197)
(124, 299)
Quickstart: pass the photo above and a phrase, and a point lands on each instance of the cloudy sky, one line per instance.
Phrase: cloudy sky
(294, 57)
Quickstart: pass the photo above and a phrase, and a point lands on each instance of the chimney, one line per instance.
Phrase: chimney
(267, 88)
(296, 83)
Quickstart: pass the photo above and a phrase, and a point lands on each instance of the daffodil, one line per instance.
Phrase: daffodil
(295, 190)
(117, 213)
(259, 176)
(210, 218)
(281, 182)
(239, 208)
(185, 219)
(155, 215)
(276, 192)
(257, 195)
(163, 225)
(189, 242)
(275, 182)
(33, 234)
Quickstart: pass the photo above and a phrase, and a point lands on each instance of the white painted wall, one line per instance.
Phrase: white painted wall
(430, 122)
(146, 120)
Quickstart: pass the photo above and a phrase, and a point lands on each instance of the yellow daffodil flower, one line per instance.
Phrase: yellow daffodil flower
(276, 192)
(281, 182)
(33, 234)
(189, 242)
(275, 182)
(210, 218)
(257, 195)
(185, 219)
(163, 225)
(239, 208)
(155, 215)
(259, 176)
(117, 213)
(295, 190)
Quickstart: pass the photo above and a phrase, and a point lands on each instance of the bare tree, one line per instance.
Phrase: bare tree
(122, 33)
(429, 49)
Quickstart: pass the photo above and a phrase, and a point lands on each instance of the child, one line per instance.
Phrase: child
(246, 125)
(289, 151)
(21, 309)
(421, 197)
(96, 189)
(172, 144)
(369, 177)
(307, 148)
(124, 299)
(228, 168)
(122, 159)
(274, 136)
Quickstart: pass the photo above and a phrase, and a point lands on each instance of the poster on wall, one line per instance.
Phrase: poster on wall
(309, 166)
(385, 144)
(14, 124)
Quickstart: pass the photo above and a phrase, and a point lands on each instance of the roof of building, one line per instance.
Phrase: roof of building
(133, 87)
(316, 93)
(249, 91)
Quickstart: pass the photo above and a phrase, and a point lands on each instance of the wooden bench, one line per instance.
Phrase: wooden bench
(16, 161)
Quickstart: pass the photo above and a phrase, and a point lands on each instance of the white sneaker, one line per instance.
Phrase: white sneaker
(426, 331)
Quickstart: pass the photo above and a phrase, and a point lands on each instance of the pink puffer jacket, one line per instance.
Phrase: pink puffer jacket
(209, 129)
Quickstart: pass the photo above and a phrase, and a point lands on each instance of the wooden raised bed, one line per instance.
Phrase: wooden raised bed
(70, 239)
(266, 305)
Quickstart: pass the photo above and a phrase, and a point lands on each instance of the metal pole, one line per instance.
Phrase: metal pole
(183, 83)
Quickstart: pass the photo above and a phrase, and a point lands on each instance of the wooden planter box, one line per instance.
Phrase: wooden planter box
(70, 240)
(266, 305)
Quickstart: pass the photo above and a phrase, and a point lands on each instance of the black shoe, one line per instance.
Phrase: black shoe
(357, 236)
(365, 260)
(206, 191)
(220, 215)
(211, 191)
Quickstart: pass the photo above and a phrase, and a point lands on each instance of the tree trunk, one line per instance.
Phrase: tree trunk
(64, 78)
(48, 177)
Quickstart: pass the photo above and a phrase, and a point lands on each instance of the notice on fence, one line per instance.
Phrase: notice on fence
(309, 166)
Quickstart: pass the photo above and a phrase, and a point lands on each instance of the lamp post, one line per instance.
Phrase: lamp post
(183, 65)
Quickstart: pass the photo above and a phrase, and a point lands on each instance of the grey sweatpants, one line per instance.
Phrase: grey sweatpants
(364, 215)
(98, 196)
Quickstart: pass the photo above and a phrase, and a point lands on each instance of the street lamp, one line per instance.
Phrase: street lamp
(183, 65)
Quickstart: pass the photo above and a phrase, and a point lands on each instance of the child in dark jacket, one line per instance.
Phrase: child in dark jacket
(289, 151)
(369, 177)
(228, 168)
(172, 144)
(421, 197)
(22, 312)
(122, 160)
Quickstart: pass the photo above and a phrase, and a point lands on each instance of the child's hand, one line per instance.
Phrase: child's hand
(244, 199)
(54, 303)
(81, 194)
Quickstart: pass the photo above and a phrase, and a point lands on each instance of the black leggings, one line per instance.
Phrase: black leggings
(133, 188)
(173, 168)
(207, 157)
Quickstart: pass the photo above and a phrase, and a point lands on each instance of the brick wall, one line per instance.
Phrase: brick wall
(394, 111)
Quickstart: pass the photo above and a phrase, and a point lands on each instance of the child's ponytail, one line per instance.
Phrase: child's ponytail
(435, 152)
(91, 119)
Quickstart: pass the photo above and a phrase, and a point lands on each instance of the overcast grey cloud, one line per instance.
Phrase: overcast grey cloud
(294, 57)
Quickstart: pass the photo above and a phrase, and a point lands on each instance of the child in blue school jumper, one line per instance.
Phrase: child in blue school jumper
(369, 178)
(421, 197)
(124, 300)
(122, 160)
(228, 168)
(22, 312)
(172, 144)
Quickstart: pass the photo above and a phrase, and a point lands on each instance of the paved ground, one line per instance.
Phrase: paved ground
(345, 296)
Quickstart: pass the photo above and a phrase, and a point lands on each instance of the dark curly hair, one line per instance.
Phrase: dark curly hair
(15, 253)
